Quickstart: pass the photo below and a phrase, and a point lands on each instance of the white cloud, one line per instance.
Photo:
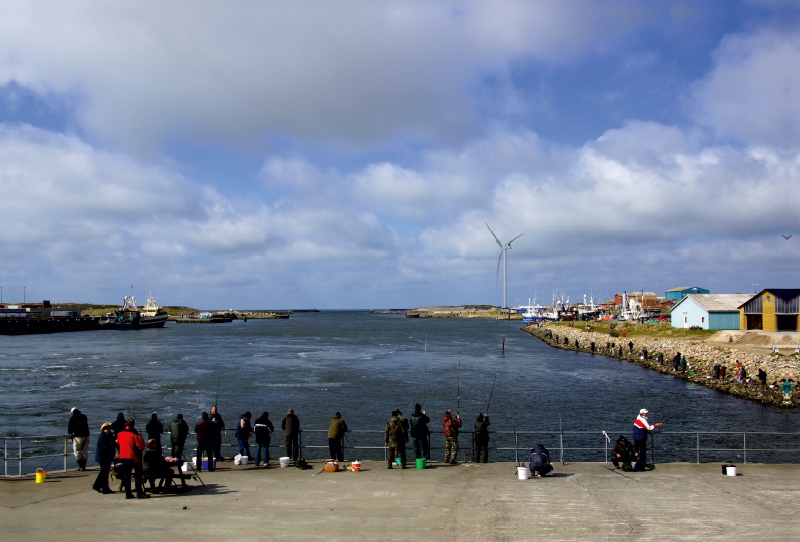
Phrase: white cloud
(753, 90)
(363, 72)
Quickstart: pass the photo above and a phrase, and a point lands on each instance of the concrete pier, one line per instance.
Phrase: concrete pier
(583, 501)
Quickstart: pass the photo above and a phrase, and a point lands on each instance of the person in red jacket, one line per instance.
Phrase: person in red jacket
(450, 426)
(131, 446)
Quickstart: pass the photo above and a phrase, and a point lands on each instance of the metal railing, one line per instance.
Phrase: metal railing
(24, 454)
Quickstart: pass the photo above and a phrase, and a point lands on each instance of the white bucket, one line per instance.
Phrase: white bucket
(731, 471)
(285, 461)
(523, 473)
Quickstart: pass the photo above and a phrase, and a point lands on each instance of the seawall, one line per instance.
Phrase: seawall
(702, 357)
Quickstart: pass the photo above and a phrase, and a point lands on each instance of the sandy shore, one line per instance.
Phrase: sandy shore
(753, 350)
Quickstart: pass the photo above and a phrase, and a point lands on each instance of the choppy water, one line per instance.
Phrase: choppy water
(361, 364)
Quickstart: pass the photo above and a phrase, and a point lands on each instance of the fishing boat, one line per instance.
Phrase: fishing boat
(532, 313)
(130, 317)
(151, 315)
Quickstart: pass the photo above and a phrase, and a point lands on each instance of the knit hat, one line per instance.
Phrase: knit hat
(643, 411)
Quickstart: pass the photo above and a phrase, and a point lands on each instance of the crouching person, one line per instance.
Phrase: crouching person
(154, 467)
(539, 461)
(622, 454)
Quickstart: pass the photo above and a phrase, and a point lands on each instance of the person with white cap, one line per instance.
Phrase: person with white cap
(78, 430)
(641, 427)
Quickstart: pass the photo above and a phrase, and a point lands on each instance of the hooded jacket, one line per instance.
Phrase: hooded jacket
(481, 428)
(106, 448)
(178, 431)
(263, 428)
(291, 425)
(337, 428)
(118, 425)
(624, 449)
(419, 425)
(78, 425)
(450, 426)
(154, 428)
(131, 445)
(539, 458)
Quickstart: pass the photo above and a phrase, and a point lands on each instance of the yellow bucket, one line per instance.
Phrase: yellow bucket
(41, 476)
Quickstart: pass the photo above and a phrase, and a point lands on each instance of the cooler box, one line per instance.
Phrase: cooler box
(205, 464)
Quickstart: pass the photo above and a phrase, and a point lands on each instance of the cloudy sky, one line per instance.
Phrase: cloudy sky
(347, 154)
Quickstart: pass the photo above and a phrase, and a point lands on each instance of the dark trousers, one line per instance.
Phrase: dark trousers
(335, 448)
(292, 447)
(641, 448)
(216, 442)
(177, 450)
(207, 448)
(128, 467)
(101, 482)
(397, 450)
(481, 449)
(422, 447)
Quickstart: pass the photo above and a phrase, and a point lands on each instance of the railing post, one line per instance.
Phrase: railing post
(698, 448)
(605, 438)
(20, 456)
(5, 457)
(744, 447)
(561, 437)
(516, 446)
(65, 453)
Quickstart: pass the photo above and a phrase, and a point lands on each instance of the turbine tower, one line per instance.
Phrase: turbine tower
(504, 257)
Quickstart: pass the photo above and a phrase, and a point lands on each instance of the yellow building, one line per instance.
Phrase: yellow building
(773, 309)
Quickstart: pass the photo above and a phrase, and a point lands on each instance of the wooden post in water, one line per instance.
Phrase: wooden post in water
(504, 345)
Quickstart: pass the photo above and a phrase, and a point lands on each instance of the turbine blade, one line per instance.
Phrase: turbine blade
(497, 275)
(515, 238)
(493, 235)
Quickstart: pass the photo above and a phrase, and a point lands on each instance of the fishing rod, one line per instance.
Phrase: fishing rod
(489, 402)
(425, 371)
(458, 396)
(216, 399)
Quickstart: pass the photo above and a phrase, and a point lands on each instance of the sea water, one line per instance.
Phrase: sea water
(365, 366)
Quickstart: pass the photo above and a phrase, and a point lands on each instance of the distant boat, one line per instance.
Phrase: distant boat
(130, 317)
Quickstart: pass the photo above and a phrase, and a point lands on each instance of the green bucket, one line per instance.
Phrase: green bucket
(421, 463)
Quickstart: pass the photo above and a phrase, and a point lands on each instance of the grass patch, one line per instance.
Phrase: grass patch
(615, 329)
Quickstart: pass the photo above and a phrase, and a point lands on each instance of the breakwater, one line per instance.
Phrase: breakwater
(701, 357)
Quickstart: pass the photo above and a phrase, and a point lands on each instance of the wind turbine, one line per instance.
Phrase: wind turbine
(504, 257)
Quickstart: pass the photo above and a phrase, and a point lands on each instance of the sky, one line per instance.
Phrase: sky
(326, 155)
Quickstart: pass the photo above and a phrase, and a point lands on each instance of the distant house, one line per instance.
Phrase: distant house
(772, 309)
(679, 293)
(709, 311)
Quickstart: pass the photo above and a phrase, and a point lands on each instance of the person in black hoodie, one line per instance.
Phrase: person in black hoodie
(291, 431)
(104, 455)
(623, 453)
(217, 427)
(263, 428)
(539, 461)
(78, 430)
(482, 438)
(420, 433)
(118, 425)
(178, 431)
(154, 429)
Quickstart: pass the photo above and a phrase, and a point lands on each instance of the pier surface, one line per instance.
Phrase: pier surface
(584, 501)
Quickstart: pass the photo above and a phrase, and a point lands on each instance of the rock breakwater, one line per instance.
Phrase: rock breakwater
(702, 357)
